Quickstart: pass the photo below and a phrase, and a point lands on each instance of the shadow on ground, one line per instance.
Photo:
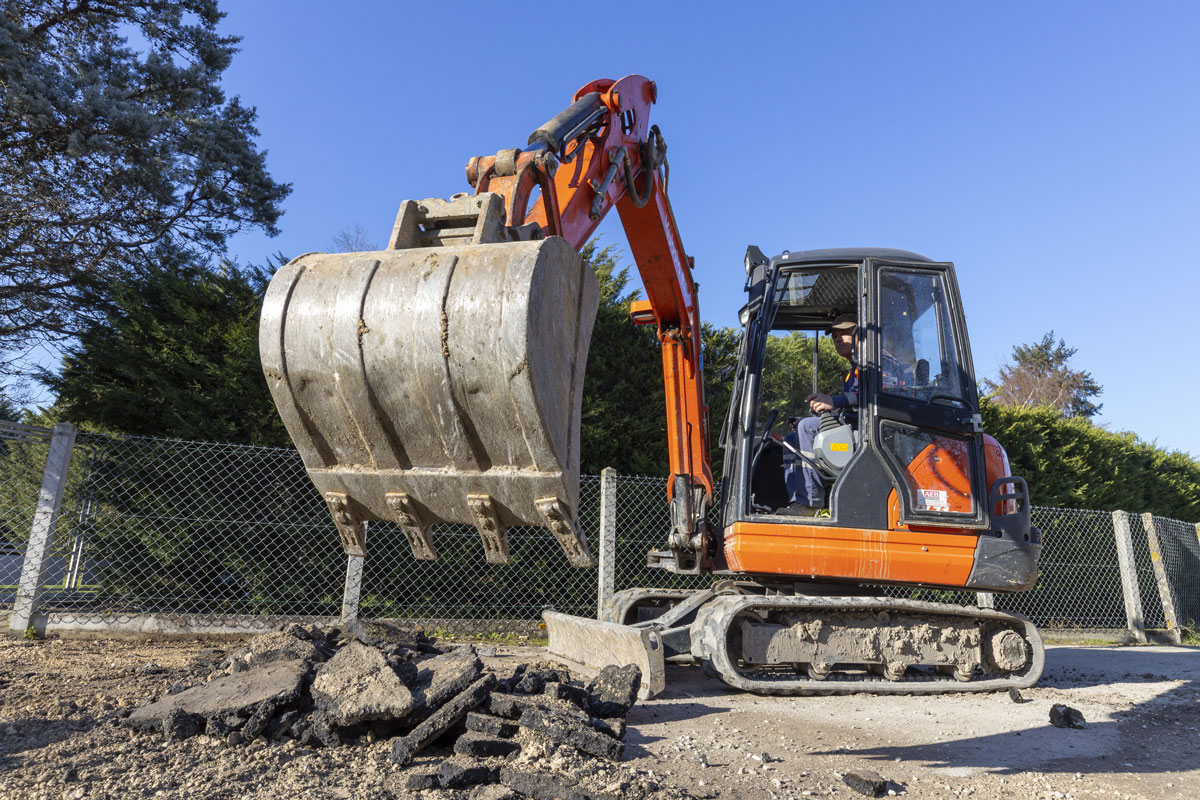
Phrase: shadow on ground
(1156, 736)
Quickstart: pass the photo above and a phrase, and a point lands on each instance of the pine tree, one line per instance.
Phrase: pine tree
(624, 417)
(110, 151)
(1039, 376)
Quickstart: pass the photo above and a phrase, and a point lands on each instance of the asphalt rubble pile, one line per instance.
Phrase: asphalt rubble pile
(456, 727)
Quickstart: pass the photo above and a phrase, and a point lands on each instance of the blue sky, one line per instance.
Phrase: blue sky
(1050, 150)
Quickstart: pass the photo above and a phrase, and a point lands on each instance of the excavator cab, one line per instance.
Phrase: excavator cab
(908, 457)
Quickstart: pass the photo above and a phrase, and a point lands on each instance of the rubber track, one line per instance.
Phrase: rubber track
(711, 628)
(619, 605)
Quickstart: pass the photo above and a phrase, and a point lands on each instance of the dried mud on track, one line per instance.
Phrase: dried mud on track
(59, 699)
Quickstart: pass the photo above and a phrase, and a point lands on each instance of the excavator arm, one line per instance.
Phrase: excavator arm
(599, 153)
(440, 380)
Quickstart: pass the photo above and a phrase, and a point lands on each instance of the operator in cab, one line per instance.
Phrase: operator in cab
(806, 493)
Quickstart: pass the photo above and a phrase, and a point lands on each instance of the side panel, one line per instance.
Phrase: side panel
(934, 559)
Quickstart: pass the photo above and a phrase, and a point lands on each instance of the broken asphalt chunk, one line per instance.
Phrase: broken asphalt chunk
(240, 693)
(179, 724)
(358, 685)
(865, 781)
(421, 780)
(567, 729)
(614, 727)
(491, 726)
(458, 774)
(1066, 717)
(575, 695)
(480, 745)
(614, 690)
(539, 786)
(257, 724)
(443, 719)
(442, 677)
(323, 731)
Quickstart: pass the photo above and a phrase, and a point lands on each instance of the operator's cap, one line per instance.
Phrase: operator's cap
(843, 322)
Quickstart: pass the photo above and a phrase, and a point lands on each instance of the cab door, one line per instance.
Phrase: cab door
(921, 401)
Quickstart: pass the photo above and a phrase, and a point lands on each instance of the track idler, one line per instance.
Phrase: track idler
(439, 380)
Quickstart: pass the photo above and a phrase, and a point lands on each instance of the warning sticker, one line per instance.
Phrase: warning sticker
(933, 500)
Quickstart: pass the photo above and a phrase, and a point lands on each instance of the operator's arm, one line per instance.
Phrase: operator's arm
(826, 402)
(847, 399)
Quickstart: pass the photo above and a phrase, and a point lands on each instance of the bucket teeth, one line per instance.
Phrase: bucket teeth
(572, 542)
(420, 540)
(352, 530)
(493, 535)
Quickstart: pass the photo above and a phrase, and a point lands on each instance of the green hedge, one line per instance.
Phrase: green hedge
(1071, 463)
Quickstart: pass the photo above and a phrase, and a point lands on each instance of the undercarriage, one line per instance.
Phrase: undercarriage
(814, 644)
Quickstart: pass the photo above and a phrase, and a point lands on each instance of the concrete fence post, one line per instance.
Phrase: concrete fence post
(41, 532)
(607, 573)
(985, 599)
(352, 591)
(1129, 581)
(1160, 577)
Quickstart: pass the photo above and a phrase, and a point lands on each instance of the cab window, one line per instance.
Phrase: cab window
(919, 358)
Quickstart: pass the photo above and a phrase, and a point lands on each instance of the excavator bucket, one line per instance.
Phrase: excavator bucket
(439, 380)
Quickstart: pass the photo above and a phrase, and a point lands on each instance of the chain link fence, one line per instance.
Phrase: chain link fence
(212, 536)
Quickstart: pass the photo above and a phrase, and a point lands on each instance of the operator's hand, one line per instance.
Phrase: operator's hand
(819, 403)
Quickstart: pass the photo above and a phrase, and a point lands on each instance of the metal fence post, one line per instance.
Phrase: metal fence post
(1160, 577)
(41, 532)
(1129, 582)
(607, 573)
(351, 593)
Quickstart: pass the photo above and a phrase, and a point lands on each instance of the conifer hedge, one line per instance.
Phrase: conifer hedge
(1072, 463)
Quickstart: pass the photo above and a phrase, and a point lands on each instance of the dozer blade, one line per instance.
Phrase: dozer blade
(588, 645)
(437, 384)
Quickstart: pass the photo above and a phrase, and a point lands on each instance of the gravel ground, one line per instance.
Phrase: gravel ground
(59, 700)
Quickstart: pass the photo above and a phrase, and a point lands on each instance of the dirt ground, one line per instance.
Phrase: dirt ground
(59, 698)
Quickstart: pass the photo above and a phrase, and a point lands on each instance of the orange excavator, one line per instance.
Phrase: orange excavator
(440, 381)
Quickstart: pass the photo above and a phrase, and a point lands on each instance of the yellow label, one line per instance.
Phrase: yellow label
(839, 448)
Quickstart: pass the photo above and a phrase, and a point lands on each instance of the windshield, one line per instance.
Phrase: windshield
(919, 355)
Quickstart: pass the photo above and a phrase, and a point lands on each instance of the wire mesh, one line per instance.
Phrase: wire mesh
(220, 531)
(1079, 580)
(460, 591)
(1181, 558)
(199, 528)
(643, 524)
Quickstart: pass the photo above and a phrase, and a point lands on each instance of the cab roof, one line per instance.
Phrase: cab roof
(847, 254)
